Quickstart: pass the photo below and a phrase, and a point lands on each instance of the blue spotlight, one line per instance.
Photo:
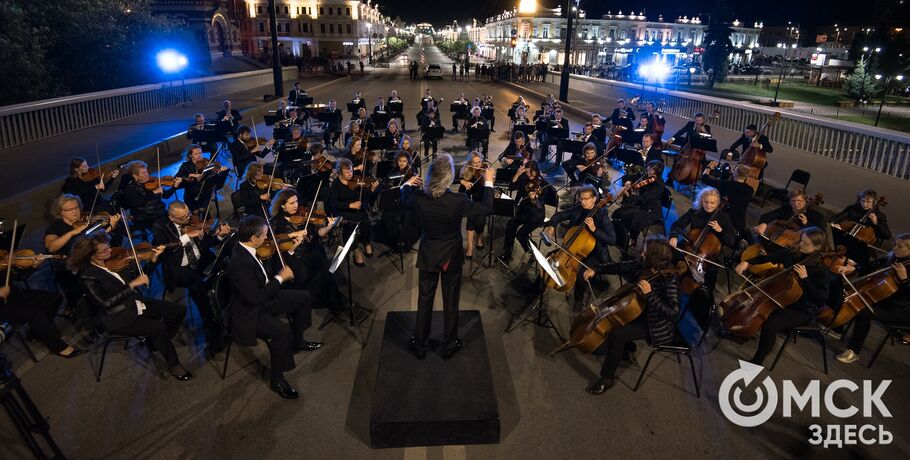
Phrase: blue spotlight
(171, 61)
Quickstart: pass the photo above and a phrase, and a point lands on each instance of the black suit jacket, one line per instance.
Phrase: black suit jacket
(235, 115)
(336, 120)
(116, 301)
(745, 142)
(164, 232)
(688, 132)
(251, 292)
(295, 96)
(440, 219)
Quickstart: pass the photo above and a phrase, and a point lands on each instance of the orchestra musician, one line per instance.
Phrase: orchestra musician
(307, 257)
(598, 224)
(195, 133)
(697, 218)
(748, 139)
(321, 166)
(690, 130)
(228, 116)
(295, 97)
(649, 151)
(358, 100)
(459, 115)
(333, 127)
(556, 122)
(622, 115)
(184, 262)
(145, 206)
(241, 152)
(429, 118)
(641, 204)
(487, 102)
(393, 132)
(656, 323)
(258, 302)
(520, 117)
(393, 97)
(476, 121)
(88, 184)
(366, 123)
(122, 310)
(531, 189)
(427, 96)
(441, 255)
(517, 152)
(282, 111)
(588, 135)
(866, 212)
(349, 200)
(380, 106)
(406, 145)
(737, 193)
(581, 169)
(471, 173)
(37, 309)
(355, 130)
(249, 198)
(813, 279)
(644, 124)
(893, 309)
(797, 203)
(198, 184)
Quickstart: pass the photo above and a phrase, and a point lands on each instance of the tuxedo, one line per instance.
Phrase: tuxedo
(235, 118)
(242, 156)
(295, 97)
(687, 132)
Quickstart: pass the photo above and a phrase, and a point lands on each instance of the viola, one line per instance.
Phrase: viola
(155, 182)
(25, 258)
(122, 258)
(361, 180)
(783, 233)
(94, 173)
(99, 217)
(578, 242)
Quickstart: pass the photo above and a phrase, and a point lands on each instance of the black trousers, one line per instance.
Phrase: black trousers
(281, 337)
(521, 227)
(886, 311)
(186, 277)
(69, 284)
(451, 294)
(37, 309)
(160, 321)
(617, 341)
(570, 166)
(351, 219)
(430, 145)
(781, 320)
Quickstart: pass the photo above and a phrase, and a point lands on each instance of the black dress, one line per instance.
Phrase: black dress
(340, 198)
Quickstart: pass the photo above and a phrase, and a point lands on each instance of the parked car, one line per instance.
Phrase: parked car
(432, 71)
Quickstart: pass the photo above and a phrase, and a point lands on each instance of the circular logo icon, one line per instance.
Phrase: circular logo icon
(732, 405)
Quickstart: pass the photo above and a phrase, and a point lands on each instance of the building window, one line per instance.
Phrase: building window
(259, 9)
(612, 34)
(331, 28)
(321, 11)
(322, 28)
(306, 28)
(287, 27)
(262, 27)
(348, 11)
(287, 10)
(339, 11)
(349, 29)
(546, 31)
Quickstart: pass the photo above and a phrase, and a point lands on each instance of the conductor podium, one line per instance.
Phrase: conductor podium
(433, 402)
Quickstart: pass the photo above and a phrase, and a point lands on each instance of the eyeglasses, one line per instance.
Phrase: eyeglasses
(70, 209)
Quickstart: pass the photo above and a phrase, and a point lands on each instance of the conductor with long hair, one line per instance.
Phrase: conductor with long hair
(441, 254)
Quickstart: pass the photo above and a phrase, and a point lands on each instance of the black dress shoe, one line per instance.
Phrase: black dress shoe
(308, 346)
(452, 348)
(76, 352)
(285, 390)
(418, 351)
(600, 386)
(186, 375)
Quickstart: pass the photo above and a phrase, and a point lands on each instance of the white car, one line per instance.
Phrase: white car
(432, 71)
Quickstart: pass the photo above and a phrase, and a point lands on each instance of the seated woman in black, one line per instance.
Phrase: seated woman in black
(641, 205)
(87, 186)
(249, 198)
(721, 226)
(37, 309)
(347, 199)
(307, 258)
(122, 310)
(865, 211)
(531, 189)
(656, 323)
(407, 145)
(813, 279)
(471, 185)
(200, 178)
(894, 309)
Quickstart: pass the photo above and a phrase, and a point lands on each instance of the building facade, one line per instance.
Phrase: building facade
(617, 39)
(211, 21)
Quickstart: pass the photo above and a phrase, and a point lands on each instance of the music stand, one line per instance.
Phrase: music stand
(390, 202)
(352, 107)
(527, 129)
(6, 237)
(557, 133)
(458, 108)
(540, 307)
(341, 254)
(487, 113)
(396, 108)
(503, 177)
(305, 100)
(633, 136)
(706, 143)
(478, 137)
(433, 134)
(505, 207)
(271, 117)
(380, 119)
(380, 143)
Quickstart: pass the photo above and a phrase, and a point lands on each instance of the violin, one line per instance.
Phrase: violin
(155, 182)
(277, 184)
(198, 224)
(361, 180)
(320, 163)
(704, 243)
(204, 164)
(88, 219)
(122, 258)
(783, 233)
(25, 259)
(267, 250)
(318, 218)
(94, 173)
(860, 230)
(252, 143)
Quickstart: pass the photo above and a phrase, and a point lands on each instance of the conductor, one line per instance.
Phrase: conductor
(441, 254)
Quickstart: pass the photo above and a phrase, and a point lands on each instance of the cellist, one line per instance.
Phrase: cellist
(655, 324)
(599, 225)
(894, 309)
(813, 279)
(865, 211)
(691, 129)
(697, 218)
(797, 203)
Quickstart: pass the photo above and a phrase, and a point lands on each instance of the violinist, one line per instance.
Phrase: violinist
(866, 212)
(37, 309)
(354, 130)
(622, 115)
(245, 149)
(258, 302)
(307, 257)
(798, 203)
(471, 174)
(641, 204)
(362, 159)
(321, 166)
(588, 166)
(517, 152)
(145, 204)
(529, 215)
(476, 121)
(87, 183)
(249, 198)
(691, 130)
(737, 193)
(123, 310)
(697, 218)
(599, 225)
(228, 117)
(656, 323)
(347, 199)
(393, 132)
(406, 145)
(200, 177)
(429, 118)
(404, 169)
(185, 260)
(333, 128)
(893, 309)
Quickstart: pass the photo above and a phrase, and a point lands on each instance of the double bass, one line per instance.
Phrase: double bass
(756, 158)
(578, 242)
(687, 168)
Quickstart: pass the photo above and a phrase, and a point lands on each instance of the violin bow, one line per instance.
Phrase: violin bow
(91, 211)
(255, 135)
(272, 176)
(129, 236)
(312, 206)
(268, 223)
(158, 161)
(12, 247)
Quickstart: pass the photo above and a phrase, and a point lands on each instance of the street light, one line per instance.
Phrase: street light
(881, 104)
(370, 41)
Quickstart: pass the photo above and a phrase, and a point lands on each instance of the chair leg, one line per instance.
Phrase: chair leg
(694, 375)
(780, 352)
(28, 348)
(101, 364)
(821, 340)
(878, 350)
(227, 357)
(644, 369)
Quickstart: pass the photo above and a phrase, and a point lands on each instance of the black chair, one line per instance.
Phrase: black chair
(104, 340)
(798, 176)
(10, 330)
(812, 331)
(700, 299)
(892, 331)
(220, 299)
(666, 201)
(239, 211)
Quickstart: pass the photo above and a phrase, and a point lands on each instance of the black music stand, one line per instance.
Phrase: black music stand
(458, 108)
(569, 145)
(633, 136)
(557, 133)
(704, 142)
(343, 254)
(478, 137)
(380, 121)
(271, 117)
(538, 314)
(353, 107)
(6, 237)
(380, 143)
(503, 177)
(504, 207)
(305, 100)
(526, 129)
(433, 134)
(390, 202)
(487, 113)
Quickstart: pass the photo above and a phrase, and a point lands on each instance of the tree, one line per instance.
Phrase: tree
(860, 84)
(717, 44)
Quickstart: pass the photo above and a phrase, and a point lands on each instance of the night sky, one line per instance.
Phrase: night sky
(808, 13)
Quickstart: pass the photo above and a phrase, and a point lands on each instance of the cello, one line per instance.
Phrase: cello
(578, 242)
(860, 230)
(756, 158)
(782, 233)
(866, 290)
(705, 244)
(687, 169)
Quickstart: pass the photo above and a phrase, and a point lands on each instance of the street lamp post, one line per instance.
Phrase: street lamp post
(881, 105)
(784, 58)
(370, 41)
(564, 77)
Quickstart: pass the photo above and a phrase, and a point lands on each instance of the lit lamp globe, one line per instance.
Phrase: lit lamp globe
(527, 6)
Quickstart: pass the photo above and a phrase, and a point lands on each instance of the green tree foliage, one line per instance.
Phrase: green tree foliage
(717, 44)
(861, 82)
(61, 47)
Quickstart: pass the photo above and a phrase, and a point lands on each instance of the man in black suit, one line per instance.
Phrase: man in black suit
(228, 117)
(295, 97)
(622, 115)
(598, 224)
(556, 122)
(257, 301)
(750, 138)
(441, 254)
(188, 254)
(380, 106)
(333, 129)
(476, 121)
(241, 155)
(690, 130)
